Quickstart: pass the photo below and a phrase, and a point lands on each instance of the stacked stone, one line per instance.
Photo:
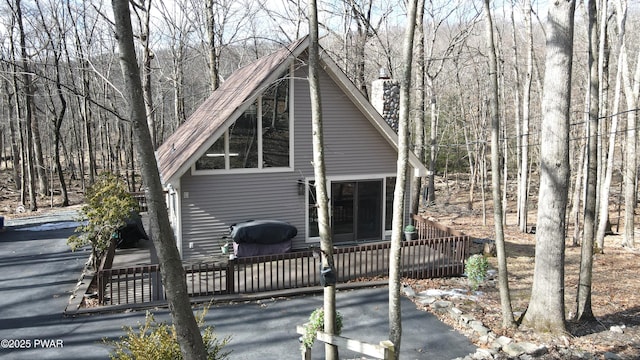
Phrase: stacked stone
(385, 97)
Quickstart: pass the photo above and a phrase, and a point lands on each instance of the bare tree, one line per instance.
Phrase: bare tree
(503, 276)
(54, 47)
(27, 91)
(584, 311)
(523, 184)
(546, 308)
(607, 175)
(631, 91)
(395, 315)
(418, 118)
(173, 276)
(212, 45)
(324, 227)
(438, 16)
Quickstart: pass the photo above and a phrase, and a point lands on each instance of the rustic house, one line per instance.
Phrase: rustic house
(246, 154)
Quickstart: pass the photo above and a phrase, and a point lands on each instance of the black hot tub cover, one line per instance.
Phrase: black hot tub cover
(262, 232)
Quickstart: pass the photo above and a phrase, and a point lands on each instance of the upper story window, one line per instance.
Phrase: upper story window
(259, 138)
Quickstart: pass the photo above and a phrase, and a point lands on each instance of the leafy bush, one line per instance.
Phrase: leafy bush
(476, 267)
(154, 340)
(315, 324)
(108, 204)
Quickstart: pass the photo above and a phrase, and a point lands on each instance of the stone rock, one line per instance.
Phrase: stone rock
(455, 312)
(513, 349)
(408, 291)
(478, 327)
(612, 356)
(484, 339)
(534, 349)
(482, 354)
(466, 318)
(427, 300)
(441, 304)
(617, 329)
(503, 340)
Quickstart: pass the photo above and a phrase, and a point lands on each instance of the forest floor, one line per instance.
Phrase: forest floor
(615, 286)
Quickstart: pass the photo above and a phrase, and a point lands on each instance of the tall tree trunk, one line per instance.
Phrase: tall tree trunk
(631, 91)
(147, 58)
(59, 116)
(15, 150)
(523, 185)
(395, 318)
(212, 53)
(433, 138)
(173, 276)
(503, 275)
(418, 120)
(28, 115)
(584, 311)
(324, 227)
(546, 308)
(605, 186)
(604, 52)
(631, 169)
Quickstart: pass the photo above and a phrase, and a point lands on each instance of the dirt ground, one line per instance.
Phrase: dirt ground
(616, 276)
(615, 288)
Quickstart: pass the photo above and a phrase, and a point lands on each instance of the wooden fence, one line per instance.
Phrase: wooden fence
(422, 258)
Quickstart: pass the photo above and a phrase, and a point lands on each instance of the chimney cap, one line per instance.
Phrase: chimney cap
(383, 73)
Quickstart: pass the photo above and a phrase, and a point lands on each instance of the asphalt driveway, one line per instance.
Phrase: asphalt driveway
(38, 273)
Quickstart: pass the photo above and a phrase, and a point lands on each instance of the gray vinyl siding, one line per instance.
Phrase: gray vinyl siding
(353, 147)
(217, 201)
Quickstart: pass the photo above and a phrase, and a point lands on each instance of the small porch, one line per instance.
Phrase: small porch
(439, 251)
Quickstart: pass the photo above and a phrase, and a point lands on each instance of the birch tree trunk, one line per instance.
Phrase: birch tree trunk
(546, 307)
(631, 91)
(584, 311)
(173, 276)
(324, 227)
(605, 186)
(503, 276)
(395, 318)
(418, 120)
(523, 185)
(147, 57)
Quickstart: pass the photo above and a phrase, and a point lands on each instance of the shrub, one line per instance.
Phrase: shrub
(476, 267)
(315, 324)
(155, 340)
(108, 206)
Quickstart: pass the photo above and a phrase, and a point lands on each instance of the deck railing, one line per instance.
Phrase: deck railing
(423, 258)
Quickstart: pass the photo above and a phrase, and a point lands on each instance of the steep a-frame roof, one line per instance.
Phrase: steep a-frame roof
(176, 155)
(192, 139)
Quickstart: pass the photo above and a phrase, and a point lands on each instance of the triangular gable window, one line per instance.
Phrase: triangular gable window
(260, 138)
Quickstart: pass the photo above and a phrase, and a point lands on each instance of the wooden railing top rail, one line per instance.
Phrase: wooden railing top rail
(437, 225)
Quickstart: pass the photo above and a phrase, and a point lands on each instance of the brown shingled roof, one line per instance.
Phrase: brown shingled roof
(176, 155)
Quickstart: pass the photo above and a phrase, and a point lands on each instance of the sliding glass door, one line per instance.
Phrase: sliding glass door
(356, 210)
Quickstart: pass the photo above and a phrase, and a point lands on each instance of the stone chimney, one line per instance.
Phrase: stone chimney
(385, 97)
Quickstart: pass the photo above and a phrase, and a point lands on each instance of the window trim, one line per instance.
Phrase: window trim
(341, 178)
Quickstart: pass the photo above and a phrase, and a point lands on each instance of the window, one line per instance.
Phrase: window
(275, 125)
(259, 138)
(360, 209)
(390, 187)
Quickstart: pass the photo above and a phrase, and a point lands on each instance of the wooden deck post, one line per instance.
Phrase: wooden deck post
(231, 269)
